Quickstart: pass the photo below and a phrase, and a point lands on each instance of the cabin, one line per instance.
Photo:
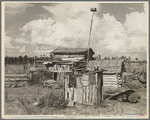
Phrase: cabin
(72, 54)
(113, 72)
(86, 88)
(66, 60)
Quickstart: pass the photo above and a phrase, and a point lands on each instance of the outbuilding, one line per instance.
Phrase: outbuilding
(113, 73)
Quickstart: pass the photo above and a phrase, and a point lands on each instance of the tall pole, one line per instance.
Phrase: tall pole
(88, 55)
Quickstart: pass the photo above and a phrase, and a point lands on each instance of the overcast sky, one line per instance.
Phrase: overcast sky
(38, 28)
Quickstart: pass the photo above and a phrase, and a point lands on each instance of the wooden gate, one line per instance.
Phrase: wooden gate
(88, 88)
(92, 87)
(89, 94)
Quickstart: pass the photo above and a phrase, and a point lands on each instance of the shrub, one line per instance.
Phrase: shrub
(110, 89)
(52, 101)
(34, 80)
(132, 83)
(29, 112)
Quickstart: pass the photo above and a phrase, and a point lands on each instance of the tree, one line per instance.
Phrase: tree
(105, 58)
(25, 58)
(44, 56)
(136, 59)
(20, 59)
(16, 60)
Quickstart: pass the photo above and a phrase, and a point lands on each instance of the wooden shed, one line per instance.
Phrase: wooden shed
(113, 69)
(73, 53)
(87, 88)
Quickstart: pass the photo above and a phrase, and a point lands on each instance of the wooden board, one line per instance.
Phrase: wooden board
(109, 75)
(70, 92)
(78, 95)
(110, 83)
(110, 80)
(15, 79)
(15, 75)
(79, 81)
(85, 83)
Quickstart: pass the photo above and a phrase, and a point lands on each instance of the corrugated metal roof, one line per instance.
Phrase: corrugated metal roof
(70, 50)
(112, 66)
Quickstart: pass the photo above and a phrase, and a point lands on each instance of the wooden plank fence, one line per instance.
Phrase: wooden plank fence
(89, 94)
(15, 77)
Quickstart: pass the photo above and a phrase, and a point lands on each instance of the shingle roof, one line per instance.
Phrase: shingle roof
(112, 66)
(70, 50)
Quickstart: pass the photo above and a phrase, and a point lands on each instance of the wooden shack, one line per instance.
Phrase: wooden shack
(87, 88)
(112, 75)
(73, 54)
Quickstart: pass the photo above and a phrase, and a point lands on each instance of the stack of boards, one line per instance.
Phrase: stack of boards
(14, 78)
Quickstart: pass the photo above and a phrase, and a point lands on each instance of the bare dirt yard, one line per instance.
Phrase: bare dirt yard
(19, 101)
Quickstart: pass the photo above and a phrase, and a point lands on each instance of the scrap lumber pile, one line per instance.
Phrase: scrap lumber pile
(80, 66)
(13, 80)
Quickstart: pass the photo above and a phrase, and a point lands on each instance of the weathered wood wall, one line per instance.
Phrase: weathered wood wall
(111, 83)
(110, 80)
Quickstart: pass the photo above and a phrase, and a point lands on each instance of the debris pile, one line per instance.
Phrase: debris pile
(126, 96)
(136, 80)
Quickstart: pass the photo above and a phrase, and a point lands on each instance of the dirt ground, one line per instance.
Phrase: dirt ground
(29, 93)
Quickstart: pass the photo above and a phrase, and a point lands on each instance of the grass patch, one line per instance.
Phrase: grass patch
(102, 104)
(47, 99)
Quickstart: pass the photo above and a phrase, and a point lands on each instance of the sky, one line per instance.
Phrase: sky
(119, 29)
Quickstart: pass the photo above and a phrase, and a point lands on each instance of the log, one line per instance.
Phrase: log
(109, 76)
(110, 83)
(106, 80)
(15, 79)
(109, 79)
(15, 75)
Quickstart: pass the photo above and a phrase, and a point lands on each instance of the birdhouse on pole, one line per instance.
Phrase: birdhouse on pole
(93, 10)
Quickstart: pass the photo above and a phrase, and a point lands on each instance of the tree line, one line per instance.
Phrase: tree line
(113, 58)
(19, 60)
(23, 59)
